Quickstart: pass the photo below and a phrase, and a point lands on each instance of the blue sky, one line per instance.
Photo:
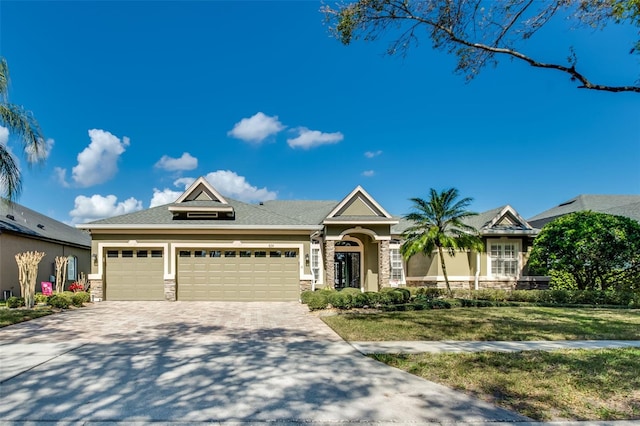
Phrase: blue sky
(139, 98)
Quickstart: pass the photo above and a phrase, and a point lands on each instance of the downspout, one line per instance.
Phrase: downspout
(477, 287)
(314, 235)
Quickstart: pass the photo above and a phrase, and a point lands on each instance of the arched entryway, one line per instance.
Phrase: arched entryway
(347, 262)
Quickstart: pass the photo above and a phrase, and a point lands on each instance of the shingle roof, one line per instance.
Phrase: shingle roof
(35, 225)
(621, 205)
(270, 213)
(481, 222)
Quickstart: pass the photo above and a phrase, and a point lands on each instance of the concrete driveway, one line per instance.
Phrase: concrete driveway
(209, 361)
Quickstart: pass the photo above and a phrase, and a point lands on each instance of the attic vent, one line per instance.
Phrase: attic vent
(193, 215)
(567, 203)
(41, 226)
(10, 216)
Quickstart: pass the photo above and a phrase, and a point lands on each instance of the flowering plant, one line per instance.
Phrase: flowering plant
(76, 287)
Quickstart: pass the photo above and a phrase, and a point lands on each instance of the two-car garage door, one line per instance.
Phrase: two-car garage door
(241, 275)
(213, 274)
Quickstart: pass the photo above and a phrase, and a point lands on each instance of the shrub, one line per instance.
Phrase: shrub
(80, 298)
(373, 299)
(317, 300)
(394, 295)
(76, 287)
(439, 304)
(41, 299)
(429, 293)
(15, 302)
(340, 300)
(60, 300)
(305, 296)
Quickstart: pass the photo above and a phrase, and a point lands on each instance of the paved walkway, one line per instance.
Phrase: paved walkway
(186, 363)
(410, 347)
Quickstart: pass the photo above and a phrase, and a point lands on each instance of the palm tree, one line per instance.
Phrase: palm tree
(439, 223)
(21, 124)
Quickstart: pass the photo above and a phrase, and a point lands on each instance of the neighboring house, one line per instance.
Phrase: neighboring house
(619, 205)
(22, 229)
(507, 239)
(207, 247)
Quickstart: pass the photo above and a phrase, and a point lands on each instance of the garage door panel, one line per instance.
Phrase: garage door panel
(238, 278)
(133, 278)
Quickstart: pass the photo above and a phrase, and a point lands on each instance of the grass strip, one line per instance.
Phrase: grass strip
(566, 385)
(14, 316)
(482, 324)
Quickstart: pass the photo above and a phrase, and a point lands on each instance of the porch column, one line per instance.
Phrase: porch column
(329, 254)
(383, 264)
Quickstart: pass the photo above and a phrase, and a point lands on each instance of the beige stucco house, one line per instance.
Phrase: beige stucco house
(205, 246)
(22, 229)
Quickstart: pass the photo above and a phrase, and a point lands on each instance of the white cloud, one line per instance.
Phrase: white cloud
(186, 162)
(256, 128)
(237, 187)
(184, 182)
(61, 176)
(311, 138)
(166, 196)
(99, 207)
(98, 162)
(4, 135)
(371, 154)
(43, 154)
(368, 173)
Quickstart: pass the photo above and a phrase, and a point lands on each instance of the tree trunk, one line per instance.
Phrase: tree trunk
(444, 271)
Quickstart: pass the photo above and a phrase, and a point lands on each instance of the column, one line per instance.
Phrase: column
(383, 264)
(329, 254)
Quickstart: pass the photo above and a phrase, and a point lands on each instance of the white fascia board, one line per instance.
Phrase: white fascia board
(360, 222)
(225, 208)
(348, 198)
(201, 227)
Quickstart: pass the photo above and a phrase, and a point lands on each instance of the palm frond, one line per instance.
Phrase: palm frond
(10, 179)
(22, 124)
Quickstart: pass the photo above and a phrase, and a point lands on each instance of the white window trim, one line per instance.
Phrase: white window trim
(317, 247)
(403, 280)
(517, 256)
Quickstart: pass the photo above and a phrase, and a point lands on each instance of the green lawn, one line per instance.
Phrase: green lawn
(14, 316)
(505, 323)
(559, 385)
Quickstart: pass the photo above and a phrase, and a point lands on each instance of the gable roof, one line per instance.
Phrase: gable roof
(359, 207)
(503, 220)
(621, 205)
(17, 219)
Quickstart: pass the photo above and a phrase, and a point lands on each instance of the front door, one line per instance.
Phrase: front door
(346, 270)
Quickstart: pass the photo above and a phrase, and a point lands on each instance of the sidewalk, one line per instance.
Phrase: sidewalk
(414, 347)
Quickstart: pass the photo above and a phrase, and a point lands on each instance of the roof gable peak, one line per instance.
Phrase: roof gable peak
(359, 203)
(508, 217)
(201, 190)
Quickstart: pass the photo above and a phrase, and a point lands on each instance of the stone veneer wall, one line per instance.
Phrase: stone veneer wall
(305, 285)
(96, 289)
(484, 284)
(170, 290)
(384, 264)
(329, 254)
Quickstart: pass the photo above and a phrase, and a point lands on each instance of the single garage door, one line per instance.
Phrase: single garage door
(134, 274)
(238, 275)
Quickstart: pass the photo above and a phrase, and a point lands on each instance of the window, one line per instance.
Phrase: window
(142, 253)
(315, 262)
(185, 253)
(199, 253)
(245, 253)
(127, 253)
(395, 264)
(503, 259)
(156, 253)
(72, 268)
(290, 253)
(215, 253)
(275, 253)
(230, 253)
(112, 253)
(260, 254)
